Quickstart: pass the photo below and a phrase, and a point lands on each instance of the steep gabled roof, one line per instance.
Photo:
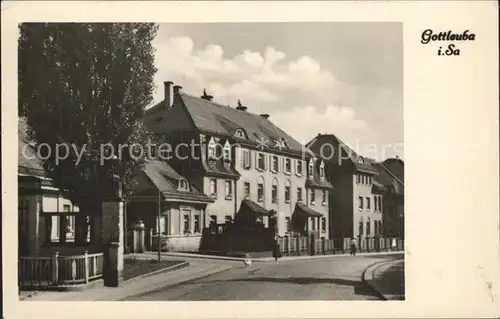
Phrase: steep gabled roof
(166, 180)
(360, 162)
(215, 119)
(388, 179)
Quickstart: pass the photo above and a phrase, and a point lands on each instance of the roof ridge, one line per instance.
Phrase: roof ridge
(223, 106)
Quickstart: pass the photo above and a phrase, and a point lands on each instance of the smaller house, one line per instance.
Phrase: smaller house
(159, 190)
(46, 218)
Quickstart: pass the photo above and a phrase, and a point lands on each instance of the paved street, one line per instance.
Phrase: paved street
(336, 278)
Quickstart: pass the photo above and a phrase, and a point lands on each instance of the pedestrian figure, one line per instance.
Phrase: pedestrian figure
(353, 246)
(276, 250)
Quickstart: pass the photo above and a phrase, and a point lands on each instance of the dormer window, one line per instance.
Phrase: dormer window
(322, 171)
(211, 149)
(310, 169)
(227, 152)
(239, 133)
(361, 160)
(183, 185)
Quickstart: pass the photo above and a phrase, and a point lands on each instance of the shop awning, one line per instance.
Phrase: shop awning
(254, 207)
(303, 209)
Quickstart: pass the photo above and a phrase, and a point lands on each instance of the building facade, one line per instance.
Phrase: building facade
(391, 176)
(46, 218)
(356, 202)
(241, 156)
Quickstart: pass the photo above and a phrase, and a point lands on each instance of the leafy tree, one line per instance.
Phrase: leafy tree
(86, 85)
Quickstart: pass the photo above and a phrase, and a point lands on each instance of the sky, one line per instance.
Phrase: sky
(333, 77)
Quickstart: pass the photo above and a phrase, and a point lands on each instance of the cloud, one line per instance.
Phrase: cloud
(249, 76)
(304, 123)
(302, 97)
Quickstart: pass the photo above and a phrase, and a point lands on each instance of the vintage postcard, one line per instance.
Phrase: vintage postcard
(257, 159)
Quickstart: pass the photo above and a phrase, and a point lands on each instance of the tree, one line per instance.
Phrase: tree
(86, 85)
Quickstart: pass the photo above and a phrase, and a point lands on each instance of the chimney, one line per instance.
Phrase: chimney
(168, 93)
(264, 116)
(240, 107)
(177, 89)
(205, 96)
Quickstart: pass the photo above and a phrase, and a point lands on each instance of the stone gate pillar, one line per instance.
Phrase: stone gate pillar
(112, 239)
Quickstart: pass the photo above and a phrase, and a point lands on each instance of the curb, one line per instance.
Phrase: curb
(144, 293)
(181, 265)
(98, 283)
(284, 258)
(368, 280)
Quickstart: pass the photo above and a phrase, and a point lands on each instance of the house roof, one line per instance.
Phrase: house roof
(28, 161)
(301, 208)
(396, 166)
(359, 162)
(215, 119)
(254, 207)
(388, 179)
(166, 180)
(210, 117)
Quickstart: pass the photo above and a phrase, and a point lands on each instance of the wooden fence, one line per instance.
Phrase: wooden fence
(293, 246)
(39, 272)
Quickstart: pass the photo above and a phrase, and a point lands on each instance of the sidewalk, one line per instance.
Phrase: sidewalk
(264, 259)
(138, 286)
(387, 279)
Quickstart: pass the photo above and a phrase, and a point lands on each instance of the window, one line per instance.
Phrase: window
(239, 133)
(323, 224)
(246, 188)
(187, 228)
(261, 161)
(369, 180)
(287, 194)
(368, 227)
(313, 196)
(211, 149)
(322, 171)
(213, 187)
(360, 202)
(288, 165)
(299, 167)
(323, 197)
(213, 219)
(260, 192)
(247, 159)
(66, 208)
(228, 219)
(299, 194)
(288, 224)
(358, 178)
(183, 185)
(197, 224)
(229, 189)
(313, 223)
(275, 164)
(361, 227)
(310, 170)
(227, 152)
(368, 203)
(275, 193)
